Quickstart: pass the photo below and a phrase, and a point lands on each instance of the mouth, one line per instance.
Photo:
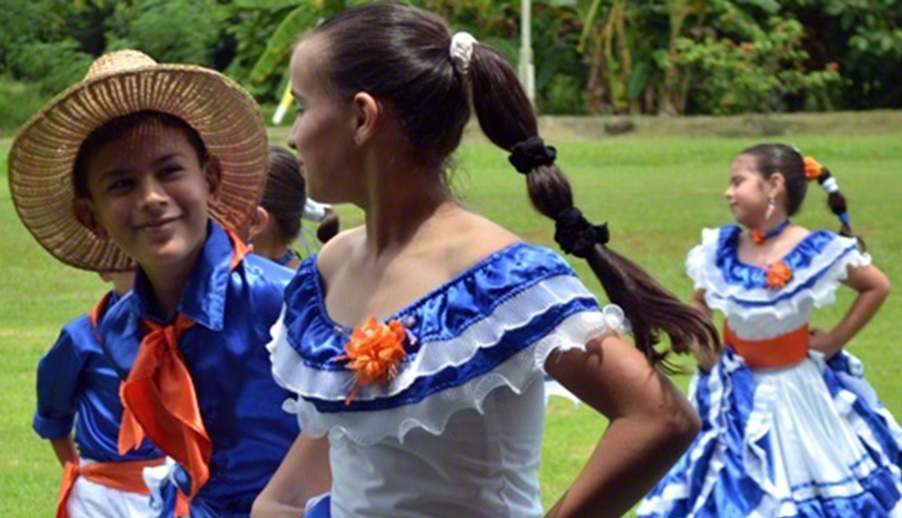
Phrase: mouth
(158, 225)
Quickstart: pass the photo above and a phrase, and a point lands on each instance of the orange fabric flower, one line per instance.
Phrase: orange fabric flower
(813, 168)
(374, 351)
(748, 47)
(757, 236)
(778, 275)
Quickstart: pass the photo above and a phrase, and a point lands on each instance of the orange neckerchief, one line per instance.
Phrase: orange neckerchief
(159, 400)
(124, 476)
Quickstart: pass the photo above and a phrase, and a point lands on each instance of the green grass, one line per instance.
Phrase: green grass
(657, 189)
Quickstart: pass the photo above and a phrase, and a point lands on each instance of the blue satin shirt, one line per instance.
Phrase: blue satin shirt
(225, 352)
(74, 379)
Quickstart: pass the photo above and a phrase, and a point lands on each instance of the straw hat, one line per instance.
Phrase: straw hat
(43, 154)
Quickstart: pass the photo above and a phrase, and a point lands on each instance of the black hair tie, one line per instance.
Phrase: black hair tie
(530, 154)
(575, 235)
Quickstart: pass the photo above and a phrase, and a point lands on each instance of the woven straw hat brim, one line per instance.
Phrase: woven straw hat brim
(43, 154)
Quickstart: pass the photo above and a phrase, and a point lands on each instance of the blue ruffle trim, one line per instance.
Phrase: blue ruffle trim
(442, 314)
(737, 272)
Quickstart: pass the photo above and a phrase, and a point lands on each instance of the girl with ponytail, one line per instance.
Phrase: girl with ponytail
(417, 343)
(790, 426)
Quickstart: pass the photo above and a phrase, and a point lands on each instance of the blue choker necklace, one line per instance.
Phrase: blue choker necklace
(760, 237)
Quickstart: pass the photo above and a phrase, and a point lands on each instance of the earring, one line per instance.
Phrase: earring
(771, 206)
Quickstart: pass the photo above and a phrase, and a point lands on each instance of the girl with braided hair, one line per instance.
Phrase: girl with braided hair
(789, 426)
(417, 343)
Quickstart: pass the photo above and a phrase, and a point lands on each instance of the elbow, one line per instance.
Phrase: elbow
(682, 426)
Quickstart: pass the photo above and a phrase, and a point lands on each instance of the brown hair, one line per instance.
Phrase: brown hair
(788, 161)
(400, 55)
(285, 192)
(119, 126)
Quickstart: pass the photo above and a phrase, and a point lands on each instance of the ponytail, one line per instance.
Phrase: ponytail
(835, 199)
(507, 118)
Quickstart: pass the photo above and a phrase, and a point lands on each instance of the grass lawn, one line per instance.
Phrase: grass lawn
(657, 189)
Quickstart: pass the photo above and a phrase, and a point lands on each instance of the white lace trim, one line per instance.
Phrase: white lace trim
(433, 356)
(433, 412)
(782, 316)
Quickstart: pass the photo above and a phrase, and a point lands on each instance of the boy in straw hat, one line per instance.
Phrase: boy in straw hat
(157, 164)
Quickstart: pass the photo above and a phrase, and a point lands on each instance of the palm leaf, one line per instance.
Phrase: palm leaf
(279, 46)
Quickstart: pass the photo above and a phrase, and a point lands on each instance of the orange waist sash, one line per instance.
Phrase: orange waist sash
(124, 476)
(780, 351)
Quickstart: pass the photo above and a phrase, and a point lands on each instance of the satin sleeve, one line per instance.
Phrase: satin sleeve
(57, 388)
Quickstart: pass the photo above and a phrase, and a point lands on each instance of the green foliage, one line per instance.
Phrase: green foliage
(51, 66)
(751, 76)
(621, 55)
(279, 45)
(18, 102)
(562, 95)
(148, 26)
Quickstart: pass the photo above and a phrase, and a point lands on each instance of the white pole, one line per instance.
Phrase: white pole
(527, 71)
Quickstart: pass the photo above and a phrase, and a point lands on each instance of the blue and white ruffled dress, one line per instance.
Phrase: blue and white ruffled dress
(457, 432)
(809, 440)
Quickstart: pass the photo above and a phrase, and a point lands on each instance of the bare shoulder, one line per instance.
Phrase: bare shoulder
(333, 255)
(470, 238)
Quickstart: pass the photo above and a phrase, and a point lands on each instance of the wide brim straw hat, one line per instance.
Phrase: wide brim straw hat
(43, 154)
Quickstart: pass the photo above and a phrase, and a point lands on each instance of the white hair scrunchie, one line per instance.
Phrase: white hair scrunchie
(462, 51)
(830, 185)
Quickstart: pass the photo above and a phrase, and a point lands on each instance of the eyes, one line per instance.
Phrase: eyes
(300, 107)
(125, 182)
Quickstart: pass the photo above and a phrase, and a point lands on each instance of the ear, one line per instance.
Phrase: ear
(213, 175)
(259, 221)
(775, 184)
(367, 112)
(85, 214)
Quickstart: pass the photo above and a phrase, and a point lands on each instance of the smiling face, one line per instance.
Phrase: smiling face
(747, 192)
(149, 192)
(323, 132)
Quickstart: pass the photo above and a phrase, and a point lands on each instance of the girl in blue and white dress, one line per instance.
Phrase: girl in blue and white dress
(790, 427)
(417, 344)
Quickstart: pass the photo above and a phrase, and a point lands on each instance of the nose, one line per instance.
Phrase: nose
(292, 135)
(728, 193)
(152, 194)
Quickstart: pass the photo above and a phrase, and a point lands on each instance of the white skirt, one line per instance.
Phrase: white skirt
(92, 500)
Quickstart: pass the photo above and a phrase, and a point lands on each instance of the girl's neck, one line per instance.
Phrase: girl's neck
(771, 224)
(270, 249)
(397, 204)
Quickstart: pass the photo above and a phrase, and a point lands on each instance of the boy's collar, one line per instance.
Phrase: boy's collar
(204, 295)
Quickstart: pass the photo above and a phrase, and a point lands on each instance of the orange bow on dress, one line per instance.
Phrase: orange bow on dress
(160, 402)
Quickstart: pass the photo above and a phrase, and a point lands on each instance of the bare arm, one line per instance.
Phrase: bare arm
(64, 448)
(698, 302)
(303, 474)
(872, 287)
(706, 358)
(651, 424)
